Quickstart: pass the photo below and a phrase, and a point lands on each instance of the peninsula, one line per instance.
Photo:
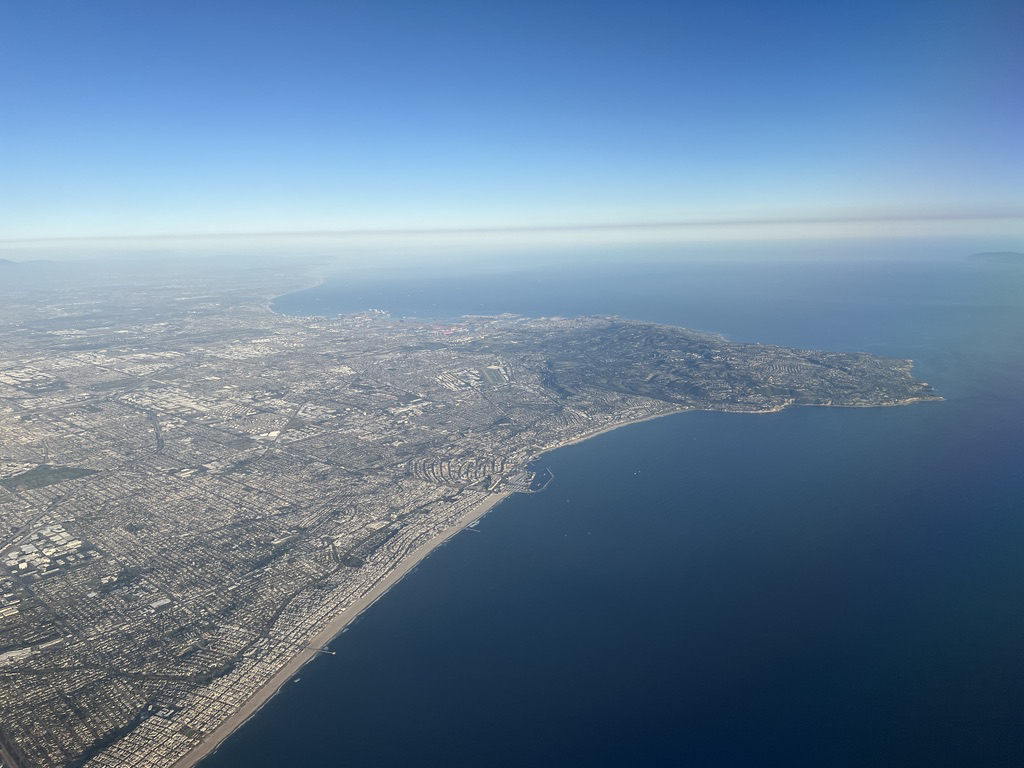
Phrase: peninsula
(197, 494)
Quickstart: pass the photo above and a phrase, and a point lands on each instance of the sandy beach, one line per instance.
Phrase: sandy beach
(332, 630)
(335, 627)
(213, 740)
(608, 428)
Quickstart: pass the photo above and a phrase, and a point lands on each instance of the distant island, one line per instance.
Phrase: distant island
(197, 494)
(998, 257)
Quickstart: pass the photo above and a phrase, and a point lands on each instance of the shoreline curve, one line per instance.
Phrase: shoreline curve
(336, 626)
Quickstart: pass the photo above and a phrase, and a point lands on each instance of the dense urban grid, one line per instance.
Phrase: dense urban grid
(193, 488)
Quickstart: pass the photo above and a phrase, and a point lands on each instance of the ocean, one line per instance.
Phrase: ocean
(817, 587)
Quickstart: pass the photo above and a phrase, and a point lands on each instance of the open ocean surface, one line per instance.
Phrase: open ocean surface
(818, 587)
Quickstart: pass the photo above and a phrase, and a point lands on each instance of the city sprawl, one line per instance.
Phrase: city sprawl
(192, 487)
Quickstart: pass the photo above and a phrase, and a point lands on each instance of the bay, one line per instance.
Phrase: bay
(815, 587)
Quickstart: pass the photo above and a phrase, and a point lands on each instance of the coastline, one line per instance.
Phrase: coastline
(337, 625)
(608, 428)
(269, 299)
(212, 741)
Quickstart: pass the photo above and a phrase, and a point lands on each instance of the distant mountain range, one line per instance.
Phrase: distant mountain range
(34, 273)
(998, 257)
(29, 264)
(4, 263)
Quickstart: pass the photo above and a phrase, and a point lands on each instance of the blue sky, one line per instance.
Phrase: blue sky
(141, 118)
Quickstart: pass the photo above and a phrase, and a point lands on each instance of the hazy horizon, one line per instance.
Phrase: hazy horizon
(510, 125)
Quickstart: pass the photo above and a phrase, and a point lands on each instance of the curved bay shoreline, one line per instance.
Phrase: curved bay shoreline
(340, 623)
(211, 742)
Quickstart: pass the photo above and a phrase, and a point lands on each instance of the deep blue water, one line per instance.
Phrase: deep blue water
(819, 587)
